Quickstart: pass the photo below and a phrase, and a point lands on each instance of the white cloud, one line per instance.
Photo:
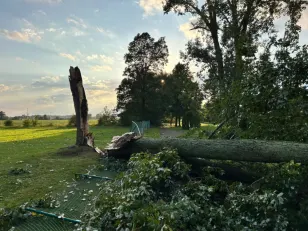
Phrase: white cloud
(29, 33)
(98, 85)
(77, 21)
(44, 1)
(77, 32)
(103, 58)
(4, 88)
(57, 32)
(85, 79)
(53, 79)
(39, 13)
(100, 68)
(107, 33)
(51, 29)
(106, 59)
(50, 82)
(68, 56)
(92, 57)
(26, 35)
(96, 10)
(303, 22)
(19, 59)
(186, 29)
(150, 7)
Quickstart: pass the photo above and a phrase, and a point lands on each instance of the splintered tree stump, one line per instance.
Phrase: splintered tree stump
(83, 137)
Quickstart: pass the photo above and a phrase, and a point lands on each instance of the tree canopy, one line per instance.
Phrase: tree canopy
(251, 76)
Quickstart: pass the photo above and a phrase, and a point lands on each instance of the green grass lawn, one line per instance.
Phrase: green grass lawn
(46, 123)
(35, 149)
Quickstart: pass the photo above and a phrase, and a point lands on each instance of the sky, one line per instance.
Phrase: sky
(41, 39)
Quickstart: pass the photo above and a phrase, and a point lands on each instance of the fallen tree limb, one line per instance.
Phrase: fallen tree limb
(236, 150)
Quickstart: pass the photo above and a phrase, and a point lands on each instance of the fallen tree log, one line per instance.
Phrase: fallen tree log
(236, 150)
(231, 173)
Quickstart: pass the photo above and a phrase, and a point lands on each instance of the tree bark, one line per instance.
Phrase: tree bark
(236, 150)
(83, 137)
(231, 173)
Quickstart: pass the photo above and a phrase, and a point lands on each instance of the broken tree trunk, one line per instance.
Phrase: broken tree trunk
(231, 173)
(83, 137)
(236, 150)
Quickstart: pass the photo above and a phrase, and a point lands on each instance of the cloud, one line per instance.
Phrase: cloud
(77, 21)
(303, 21)
(96, 90)
(39, 13)
(186, 29)
(44, 1)
(51, 29)
(19, 59)
(96, 10)
(102, 58)
(49, 82)
(57, 31)
(99, 95)
(68, 56)
(100, 68)
(77, 32)
(29, 33)
(44, 100)
(151, 7)
(98, 85)
(26, 35)
(107, 33)
(92, 57)
(4, 88)
(53, 99)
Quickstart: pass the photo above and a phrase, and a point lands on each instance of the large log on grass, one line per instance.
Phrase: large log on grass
(231, 173)
(236, 150)
(83, 137)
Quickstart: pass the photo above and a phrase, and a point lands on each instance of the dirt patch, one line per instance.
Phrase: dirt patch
(167, 132)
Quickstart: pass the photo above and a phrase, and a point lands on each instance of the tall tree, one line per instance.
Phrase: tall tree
(185, 96)
(232, 23)
(2, 115)
(145, 58)
(228, 49)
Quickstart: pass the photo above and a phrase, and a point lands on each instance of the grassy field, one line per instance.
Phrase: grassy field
(34, 149)
(46, 123)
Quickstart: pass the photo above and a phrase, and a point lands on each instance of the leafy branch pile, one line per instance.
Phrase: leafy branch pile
(11, 217)
(157, 192)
